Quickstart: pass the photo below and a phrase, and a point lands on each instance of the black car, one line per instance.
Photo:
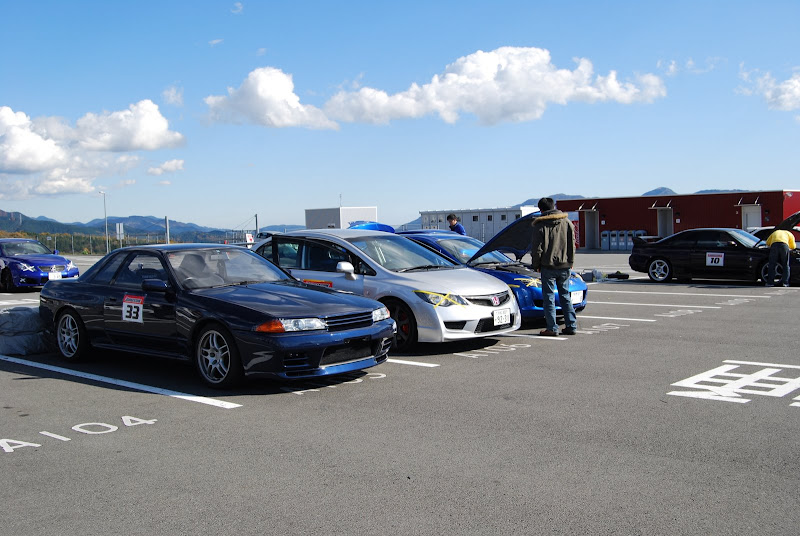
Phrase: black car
(227, 309)
(707, 254)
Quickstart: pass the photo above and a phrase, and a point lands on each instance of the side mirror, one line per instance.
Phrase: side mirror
(55, 252)
(155, 285)
(347, 269)
(733, 243)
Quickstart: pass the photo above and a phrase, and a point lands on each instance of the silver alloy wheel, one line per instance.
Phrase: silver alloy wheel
(765, 274)
(213, 356)
(659, 270)
(68, 335)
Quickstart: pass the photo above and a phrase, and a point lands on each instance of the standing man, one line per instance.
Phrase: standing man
(456, 227)
(553, 254)
(779, 242)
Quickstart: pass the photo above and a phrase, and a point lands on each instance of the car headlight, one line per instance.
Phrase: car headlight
(25, 267)
(70, 265)
(528, 282)
(380, 314)
(282, 325)
(438, 299)
(576, 276)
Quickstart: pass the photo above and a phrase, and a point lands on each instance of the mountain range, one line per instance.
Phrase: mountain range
(16, 222)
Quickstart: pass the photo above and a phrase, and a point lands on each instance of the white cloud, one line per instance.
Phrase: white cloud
(167, 167)
(164, 183)
(215, 42)
(173, 95)
(57, 158)
(783, 96)
(509, 84)
(140, 127)
(22, 148)
(266, 97)
(237, 8)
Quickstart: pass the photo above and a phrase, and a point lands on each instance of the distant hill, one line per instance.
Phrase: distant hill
(721, 191)
(660, 191)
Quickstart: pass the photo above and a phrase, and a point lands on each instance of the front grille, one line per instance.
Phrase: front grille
(351, 321)
(52, 268)
(486, 325)
(351, 350)
(486, 300)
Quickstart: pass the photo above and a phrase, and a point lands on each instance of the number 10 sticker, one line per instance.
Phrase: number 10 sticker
(132, 308)
(715, 259)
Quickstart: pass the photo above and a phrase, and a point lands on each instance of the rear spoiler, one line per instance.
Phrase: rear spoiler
(645, 239)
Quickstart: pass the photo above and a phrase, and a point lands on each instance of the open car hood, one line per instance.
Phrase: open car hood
(789, 222)
(515, 238)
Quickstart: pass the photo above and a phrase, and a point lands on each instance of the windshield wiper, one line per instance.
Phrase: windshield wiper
(424, 267)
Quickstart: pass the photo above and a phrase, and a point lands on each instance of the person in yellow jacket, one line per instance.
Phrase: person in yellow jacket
(779, 242)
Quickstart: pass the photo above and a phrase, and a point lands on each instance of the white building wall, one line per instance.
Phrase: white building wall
(481, 223)
(339, 217)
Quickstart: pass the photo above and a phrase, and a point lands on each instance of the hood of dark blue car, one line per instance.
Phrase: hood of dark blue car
(291, 299)
(515, 238)
(38, 260)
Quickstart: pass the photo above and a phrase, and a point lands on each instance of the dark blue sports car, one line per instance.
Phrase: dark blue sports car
(523, 281)
(29, 263)
(228, 310)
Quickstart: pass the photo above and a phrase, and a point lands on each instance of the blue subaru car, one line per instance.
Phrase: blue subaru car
(29, 263)
(523, 281)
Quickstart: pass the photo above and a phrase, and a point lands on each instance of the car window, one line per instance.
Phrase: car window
(215, 267)
(25, 248)
(682, 240)
(744, 238)
(464, 248)
(288, 252)
(398, 253)
(140, 267)
(107, 271)
(323, 258)
(712, 239)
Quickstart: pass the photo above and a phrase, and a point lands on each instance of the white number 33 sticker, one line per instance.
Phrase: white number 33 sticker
(132, 309)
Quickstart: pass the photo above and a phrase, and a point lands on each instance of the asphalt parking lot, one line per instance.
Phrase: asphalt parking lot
(674, 410)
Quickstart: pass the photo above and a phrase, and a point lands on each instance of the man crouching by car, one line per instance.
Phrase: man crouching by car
(553, 254)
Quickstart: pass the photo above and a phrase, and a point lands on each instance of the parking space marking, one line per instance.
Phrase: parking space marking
(416, 363)
(680, 293)
(535, 337)
(123, 383)
(616, 318)
(659, 305)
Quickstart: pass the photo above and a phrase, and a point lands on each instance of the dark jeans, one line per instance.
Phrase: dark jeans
(779, 257)
(553, 279)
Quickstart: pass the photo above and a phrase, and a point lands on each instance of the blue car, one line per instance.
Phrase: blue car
(29, 263)
(523, 281)
(227, 310)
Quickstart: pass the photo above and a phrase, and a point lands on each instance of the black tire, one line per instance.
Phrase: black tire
(217, 358)
(71, 338)
(7, 282)
(406, 324)
(764, 274)
(659, 270)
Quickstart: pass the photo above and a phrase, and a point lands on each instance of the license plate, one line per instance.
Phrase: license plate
(576, 297)
(503, 316)
(53, 275)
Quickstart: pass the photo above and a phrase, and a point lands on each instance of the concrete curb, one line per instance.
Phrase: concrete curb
(22, 332)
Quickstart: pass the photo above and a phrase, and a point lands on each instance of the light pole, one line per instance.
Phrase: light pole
(105, 217)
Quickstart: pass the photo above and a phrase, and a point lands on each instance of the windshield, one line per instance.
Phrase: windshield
(745, 238)
(25, 248)
(205, 268)
(464, 248)
(397, 253)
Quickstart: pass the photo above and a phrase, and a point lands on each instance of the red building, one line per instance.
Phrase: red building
(602, 219)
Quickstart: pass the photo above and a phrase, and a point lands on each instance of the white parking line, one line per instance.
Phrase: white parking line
(657, 305)
(123, 383)
(616, 318)
(417, 363)
(681, 294)
(535, 337)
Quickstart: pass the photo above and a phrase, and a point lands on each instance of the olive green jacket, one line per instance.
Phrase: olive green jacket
(553, 241)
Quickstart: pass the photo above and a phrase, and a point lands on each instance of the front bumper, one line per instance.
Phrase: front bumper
(38, 278)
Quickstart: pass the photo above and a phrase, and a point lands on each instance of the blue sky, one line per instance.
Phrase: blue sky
(213, 111)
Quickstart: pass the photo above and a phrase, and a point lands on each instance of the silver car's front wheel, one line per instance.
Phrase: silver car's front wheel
(659, 270)
(217, 358)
